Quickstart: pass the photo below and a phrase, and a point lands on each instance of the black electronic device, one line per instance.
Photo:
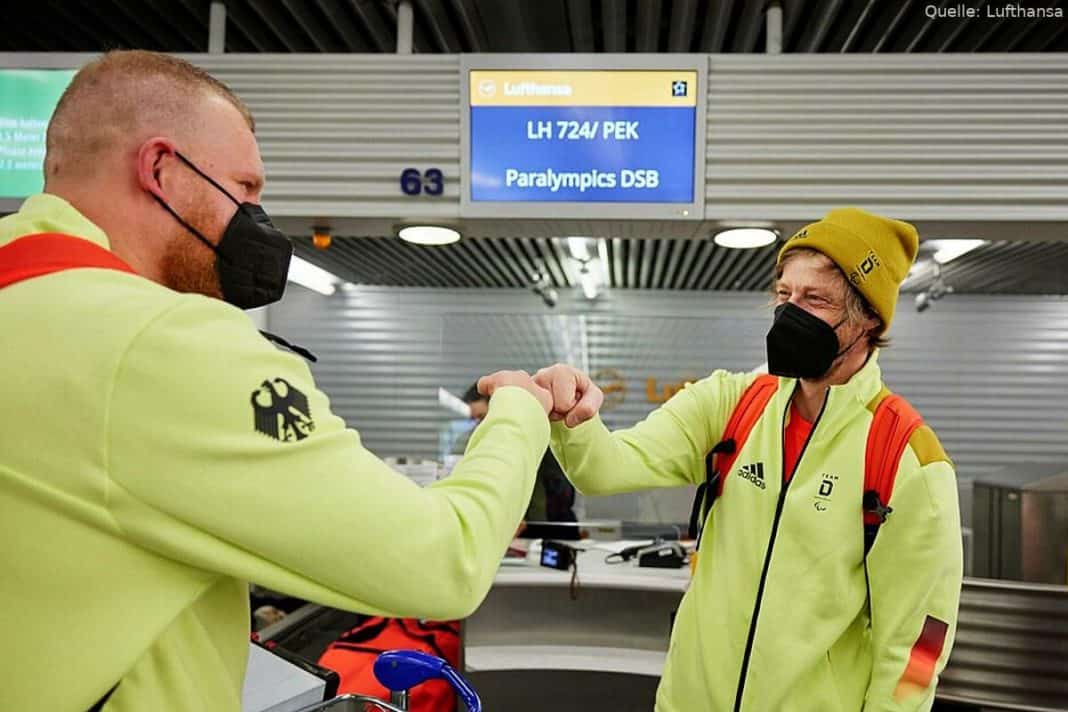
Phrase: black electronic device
(557, 555)
(668, 555)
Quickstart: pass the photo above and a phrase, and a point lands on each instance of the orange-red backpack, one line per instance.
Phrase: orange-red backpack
(352, 656)
(893, 424)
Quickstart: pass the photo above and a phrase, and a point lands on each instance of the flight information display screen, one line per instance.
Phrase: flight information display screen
(582, 136)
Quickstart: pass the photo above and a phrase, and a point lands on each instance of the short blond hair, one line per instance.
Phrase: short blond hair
(118, 93)
(857, 308)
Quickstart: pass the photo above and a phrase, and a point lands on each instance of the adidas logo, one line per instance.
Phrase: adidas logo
(754, 473)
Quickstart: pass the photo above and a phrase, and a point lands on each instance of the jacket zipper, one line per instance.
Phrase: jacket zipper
(771, 540)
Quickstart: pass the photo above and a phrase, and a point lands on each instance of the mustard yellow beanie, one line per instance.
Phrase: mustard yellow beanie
(874, 252)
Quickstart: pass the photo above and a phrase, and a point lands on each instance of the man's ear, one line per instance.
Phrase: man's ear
(155, 158)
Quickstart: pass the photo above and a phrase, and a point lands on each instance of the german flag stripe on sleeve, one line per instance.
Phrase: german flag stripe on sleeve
(920, 669)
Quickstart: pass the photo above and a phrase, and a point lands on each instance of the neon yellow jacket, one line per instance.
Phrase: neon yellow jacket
(814, 647)
(143, 484)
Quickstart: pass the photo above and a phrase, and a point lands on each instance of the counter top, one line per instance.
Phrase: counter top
(593, 572)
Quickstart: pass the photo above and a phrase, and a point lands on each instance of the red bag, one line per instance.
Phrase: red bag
(352, 656)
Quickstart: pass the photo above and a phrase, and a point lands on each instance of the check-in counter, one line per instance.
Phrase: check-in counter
(539, 643)
(530, 640)
(532, 645)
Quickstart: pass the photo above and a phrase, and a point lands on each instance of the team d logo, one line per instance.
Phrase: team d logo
(823, 499)
(281, 411)
(866, 267)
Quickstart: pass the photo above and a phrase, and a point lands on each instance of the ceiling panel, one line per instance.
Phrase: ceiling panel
(1005, 267)
(526, 26)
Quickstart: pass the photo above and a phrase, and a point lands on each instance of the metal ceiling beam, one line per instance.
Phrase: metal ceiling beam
(160, 34)
(712, 270)
(959, 28)
(282, 24)
(439, 26)
(683, 17)
(128, 26)
(177, 20)
(252, 26)
(367, 263)
(823, 25)
(750, 23)
(615, 256)
(633, 254)
(982, 39)
(325, 37)
(440, 257)
(534, 251)
(717, 18)
(700, 264)
(791, 13)
(1023, 34)
(664, 250)
(526, 263)
(380, 34)
(1039, 35)
(1060, 34)
(479, 254)
(97, 41)
(888, 33)
(924, 29)
(498, 253)
(854, 32)
(21, 26)
(471, 24)
(646, 250)
(457, 262)
(411, 257)
(614, 24)
(580, 20)
(725, 271)
(762, 277)
(648, 29)
(671, 270)
(344, 25)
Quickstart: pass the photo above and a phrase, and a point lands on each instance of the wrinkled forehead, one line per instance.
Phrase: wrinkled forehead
(811, 270)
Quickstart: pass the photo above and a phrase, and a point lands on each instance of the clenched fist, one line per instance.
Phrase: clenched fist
(575, 398)
(488, 384)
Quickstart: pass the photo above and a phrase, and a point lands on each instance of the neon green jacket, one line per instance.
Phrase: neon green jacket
(148, 471)
(796, 575)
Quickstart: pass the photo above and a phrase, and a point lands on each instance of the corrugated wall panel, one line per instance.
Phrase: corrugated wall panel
(933, 137)
(337, 130)
(965, 138)
(990, 374)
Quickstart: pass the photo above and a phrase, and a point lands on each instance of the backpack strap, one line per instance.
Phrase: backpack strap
(893, 425)
(48, 252)
(720, 459)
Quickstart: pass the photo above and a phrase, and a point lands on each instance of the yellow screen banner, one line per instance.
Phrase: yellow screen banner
(612, 87)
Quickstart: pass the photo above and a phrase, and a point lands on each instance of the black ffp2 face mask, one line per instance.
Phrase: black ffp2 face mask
(800, 344)
(252, 258)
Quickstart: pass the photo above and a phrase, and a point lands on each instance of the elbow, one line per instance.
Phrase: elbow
(456, 601)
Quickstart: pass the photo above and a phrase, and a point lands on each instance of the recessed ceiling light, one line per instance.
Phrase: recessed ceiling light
(745, 238)
(429, 235)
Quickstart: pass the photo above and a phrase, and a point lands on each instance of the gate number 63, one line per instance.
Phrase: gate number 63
(431, 182)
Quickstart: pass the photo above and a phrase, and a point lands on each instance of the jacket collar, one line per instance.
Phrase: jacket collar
(844, 402)
(45, 212)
